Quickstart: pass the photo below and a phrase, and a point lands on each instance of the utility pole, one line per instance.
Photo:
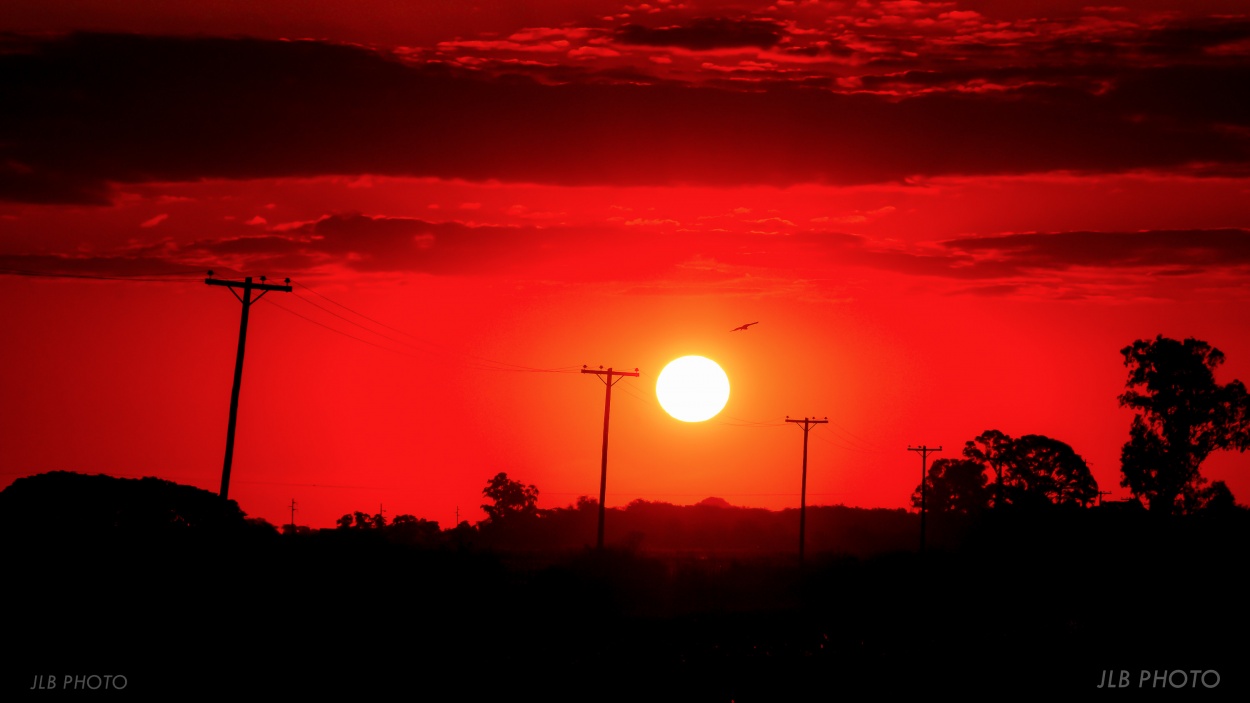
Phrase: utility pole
(247, 301)
(292, 516)
(924, 469)
(607, 377)
(807, 424)
(1100, 495)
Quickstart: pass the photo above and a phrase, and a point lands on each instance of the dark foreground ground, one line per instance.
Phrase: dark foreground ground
(1015, 612)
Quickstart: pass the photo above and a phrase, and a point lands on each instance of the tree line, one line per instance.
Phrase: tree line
(1182, 415)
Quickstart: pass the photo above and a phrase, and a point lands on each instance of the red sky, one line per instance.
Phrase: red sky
(948, 217)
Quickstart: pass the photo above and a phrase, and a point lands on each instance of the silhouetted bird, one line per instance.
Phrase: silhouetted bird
(744, 326)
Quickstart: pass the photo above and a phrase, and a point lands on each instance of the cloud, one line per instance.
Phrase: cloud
(1184, 250)
(639, 250)
(705, 34)
(118, 264)
(408, 244)
(391, 244)
(1195, 38)
(86, 111)
(1003, 263)
(1074, 264)
(48, 185)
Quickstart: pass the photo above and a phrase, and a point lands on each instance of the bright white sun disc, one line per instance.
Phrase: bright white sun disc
(692, 388)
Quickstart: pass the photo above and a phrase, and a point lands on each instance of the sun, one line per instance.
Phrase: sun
(692, 388)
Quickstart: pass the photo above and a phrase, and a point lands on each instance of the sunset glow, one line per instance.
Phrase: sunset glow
(692, 388)
(948, 217)
(378, 349)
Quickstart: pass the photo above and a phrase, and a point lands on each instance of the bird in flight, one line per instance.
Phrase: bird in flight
(744, 326)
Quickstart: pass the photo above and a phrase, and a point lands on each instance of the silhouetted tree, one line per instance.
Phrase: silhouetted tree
(509, 499)
(1182, 416)
(1040, 470)
(1032, 470)
(954, 485)
(1217, 498)
(462, 535)
(361, 521)
(410, 529)
(987, 449)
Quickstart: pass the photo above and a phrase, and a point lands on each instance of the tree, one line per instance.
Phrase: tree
(1182, 416)
(361, 521)
(410, 529)
(1041, 470)
(1217, 499)
(988, 449)
(94, 506)
(1032, 470)
(509, 499)
(954, 485)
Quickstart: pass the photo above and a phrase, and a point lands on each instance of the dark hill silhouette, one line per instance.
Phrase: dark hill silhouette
(68, 505)
(711, 526)
(1015, 599)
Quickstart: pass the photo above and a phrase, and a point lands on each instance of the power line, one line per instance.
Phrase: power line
(635, 396)
(448, 354)
(734, 421)
(312, 290)
(509, 366)
(853, 438)
(338, 331)
(349, 321)
(313, 485)
(739, 422)
(847, 447)
(189, 277)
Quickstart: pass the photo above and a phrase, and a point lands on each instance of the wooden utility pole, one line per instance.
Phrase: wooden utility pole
(292, 516)
(807, 424)
(924, 469)
(607, 377)
(247, 301)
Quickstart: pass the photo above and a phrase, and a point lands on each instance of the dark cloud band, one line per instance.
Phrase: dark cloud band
(85, 111)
